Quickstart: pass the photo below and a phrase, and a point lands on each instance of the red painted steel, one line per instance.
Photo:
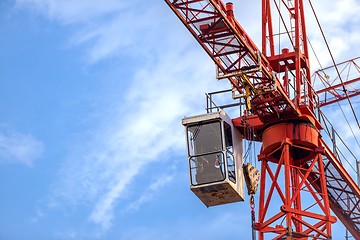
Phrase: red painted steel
(298, 169)
(302, 134)
(343, 192)
(333, 88)
(236, 56)
(295, 218)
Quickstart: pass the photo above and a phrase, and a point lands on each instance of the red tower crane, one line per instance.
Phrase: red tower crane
(298, 169)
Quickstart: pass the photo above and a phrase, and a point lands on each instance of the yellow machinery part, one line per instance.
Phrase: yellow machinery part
(252, 178)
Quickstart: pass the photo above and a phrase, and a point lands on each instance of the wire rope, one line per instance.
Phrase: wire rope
(333, 60)
(316, 56)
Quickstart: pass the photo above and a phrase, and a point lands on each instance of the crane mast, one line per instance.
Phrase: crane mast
(301, 178)
(294, 53)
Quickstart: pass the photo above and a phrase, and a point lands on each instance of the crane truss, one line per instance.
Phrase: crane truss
(302, 219)
(344, 194)
(332, 87)
(213, 25)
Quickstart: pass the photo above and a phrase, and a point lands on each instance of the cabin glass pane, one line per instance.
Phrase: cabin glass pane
(207, 160)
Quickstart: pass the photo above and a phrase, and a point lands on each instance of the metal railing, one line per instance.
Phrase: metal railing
(211, 105)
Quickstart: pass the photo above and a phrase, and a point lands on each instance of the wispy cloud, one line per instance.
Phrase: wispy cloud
(110, 29)
(169, 82)
(148, 195)
(74, 12)
(144, 128)
(120, 35)
(17, 147)
(337, 20)
(146, 124)
(347, 137)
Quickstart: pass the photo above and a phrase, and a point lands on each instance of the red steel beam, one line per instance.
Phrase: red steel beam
(343, 189)
(341, 87)
(213, 25)
(293, 220)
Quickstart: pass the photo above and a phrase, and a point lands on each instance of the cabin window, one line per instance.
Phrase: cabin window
(207, 160)
(229, 152)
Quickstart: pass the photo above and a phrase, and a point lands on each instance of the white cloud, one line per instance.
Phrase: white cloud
(70, 12)
(170, 81)
(21, 148)
(109, 29)
(123, 35)
(148, 195)
(347, 134)
(103, 211)
(338, 13)
(337, 20)
(144, 129)
(146, 124)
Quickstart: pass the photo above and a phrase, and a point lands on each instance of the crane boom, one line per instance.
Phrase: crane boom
(213, 25)
(344, 194)
(335, 88)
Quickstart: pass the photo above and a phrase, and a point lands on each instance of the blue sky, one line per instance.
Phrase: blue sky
(92, 96)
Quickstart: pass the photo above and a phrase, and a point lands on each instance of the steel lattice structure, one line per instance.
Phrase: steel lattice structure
(297, 168)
